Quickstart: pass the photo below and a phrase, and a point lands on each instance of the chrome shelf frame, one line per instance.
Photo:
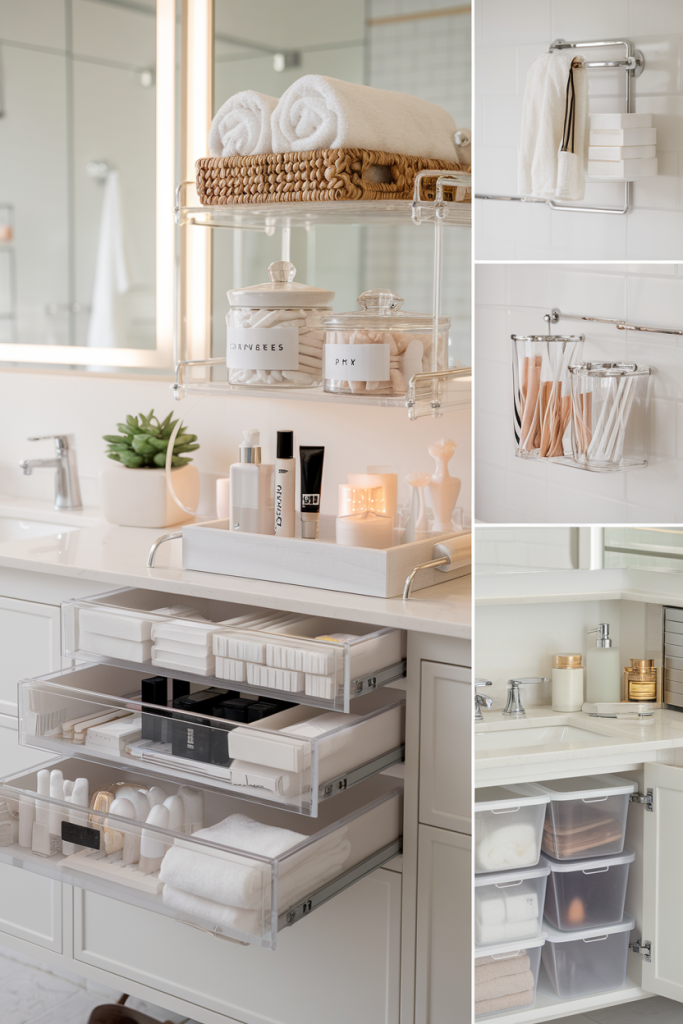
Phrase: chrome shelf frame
(556, 315)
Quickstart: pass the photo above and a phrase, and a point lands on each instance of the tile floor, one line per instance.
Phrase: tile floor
(33, 995)
(644, 1011)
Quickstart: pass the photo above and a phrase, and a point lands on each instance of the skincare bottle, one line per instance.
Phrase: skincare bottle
(567, 682)
(251, 488)
(285, 481)
(603, 670)
(311, 460)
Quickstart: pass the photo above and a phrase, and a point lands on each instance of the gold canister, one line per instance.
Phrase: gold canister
(640, 680)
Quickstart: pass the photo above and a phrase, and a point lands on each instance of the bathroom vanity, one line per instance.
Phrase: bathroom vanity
(399, 924)
(551, 611)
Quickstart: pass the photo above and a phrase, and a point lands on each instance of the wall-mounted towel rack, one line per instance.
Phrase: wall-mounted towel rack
(633, 64)
(555, 315)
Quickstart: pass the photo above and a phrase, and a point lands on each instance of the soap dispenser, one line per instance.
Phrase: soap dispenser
(251, 489)
(603, 669)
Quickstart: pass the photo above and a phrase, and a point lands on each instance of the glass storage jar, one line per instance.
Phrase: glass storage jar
(275, 333)
(542, 402)
(379, 347)
(609, 415)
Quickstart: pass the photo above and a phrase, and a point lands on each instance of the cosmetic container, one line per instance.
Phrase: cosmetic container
(567, 682)
(640, 680)
(275, 333)
(609, 415)
(541, 393)
(285, 484)
(379, 347)
(603, 671)
(251, 489)
(311, 461)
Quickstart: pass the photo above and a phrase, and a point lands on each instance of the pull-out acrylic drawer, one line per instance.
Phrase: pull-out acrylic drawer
(311, 659)
(294, 758)
(239, 877)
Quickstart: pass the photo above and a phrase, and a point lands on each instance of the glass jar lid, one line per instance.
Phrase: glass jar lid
(609, 370)
(281, 291)
(380, 310)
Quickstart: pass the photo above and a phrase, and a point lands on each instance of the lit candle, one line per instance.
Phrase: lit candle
(387, 481)
(360, 499)
(365, 530)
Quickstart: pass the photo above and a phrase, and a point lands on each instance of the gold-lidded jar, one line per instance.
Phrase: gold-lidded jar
(567, 661)
(640, 680)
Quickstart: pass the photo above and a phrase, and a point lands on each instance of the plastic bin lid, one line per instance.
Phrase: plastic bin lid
(506, 877)
(626, 924)
(587, 787)
(504, 798)
(610, 860)
(506, 950)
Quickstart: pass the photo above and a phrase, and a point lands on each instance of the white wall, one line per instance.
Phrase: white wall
(512, 300)
(510, 34)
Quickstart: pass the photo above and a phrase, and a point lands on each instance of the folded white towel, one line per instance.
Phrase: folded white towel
(231, 918)
(511, 846)
(542, 171)
(522, 906)
(488, 934)
(242, 125)
(275, 780)
(490, 909)
(318, 112)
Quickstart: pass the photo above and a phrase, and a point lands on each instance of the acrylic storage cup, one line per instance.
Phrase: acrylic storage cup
(609, 415)
(541, 393)
(508, 827)
(378, 348)
(587, 893)
(506, 976)
(508, 906)
(589, 961)
(586, 817)
(275, 333)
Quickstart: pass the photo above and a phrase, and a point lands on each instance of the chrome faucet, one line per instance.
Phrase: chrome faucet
(479, 701)
(514, 707)
(67, 487)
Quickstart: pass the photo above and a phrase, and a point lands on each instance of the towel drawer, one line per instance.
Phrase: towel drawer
(231, 891)
(96, 712)
(264, 651)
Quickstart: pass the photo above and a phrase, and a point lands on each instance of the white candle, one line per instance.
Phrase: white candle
(365, 530)
(389, 477)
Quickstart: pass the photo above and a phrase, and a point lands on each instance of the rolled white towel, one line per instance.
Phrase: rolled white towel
(231, 918)
(511, 846)
(318, 112)
(490, 909)
(242, 125)
(521, 906)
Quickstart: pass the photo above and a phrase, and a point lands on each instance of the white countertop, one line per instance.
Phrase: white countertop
(116, 556)
(650, 586)
(619, 745)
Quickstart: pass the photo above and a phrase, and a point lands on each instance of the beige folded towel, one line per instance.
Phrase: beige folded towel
(499, 987)
(486, 968)
(503, 1003)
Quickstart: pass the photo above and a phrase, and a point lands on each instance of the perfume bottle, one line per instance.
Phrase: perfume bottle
(640, 680)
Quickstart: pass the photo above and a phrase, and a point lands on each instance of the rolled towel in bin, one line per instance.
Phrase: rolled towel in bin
(511, 846)
(242, 125)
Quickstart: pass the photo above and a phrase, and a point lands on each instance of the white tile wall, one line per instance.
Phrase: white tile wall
(509, 35)
(512, 299)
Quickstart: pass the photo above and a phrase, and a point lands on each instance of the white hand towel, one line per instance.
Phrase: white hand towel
(490, 909)
(231, 918)
(111, 276)
(242, 125)
(510, 846)
(318, 112)
(542, 172)
(522, 906)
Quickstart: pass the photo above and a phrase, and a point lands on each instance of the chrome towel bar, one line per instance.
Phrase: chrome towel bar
(556, 315)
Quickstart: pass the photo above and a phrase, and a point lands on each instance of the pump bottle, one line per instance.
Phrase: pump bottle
(603, 670)
(251, 488)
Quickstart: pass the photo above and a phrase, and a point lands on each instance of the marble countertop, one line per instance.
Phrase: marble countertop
(116, 556)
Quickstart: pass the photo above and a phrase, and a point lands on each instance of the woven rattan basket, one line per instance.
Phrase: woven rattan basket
(323, 174)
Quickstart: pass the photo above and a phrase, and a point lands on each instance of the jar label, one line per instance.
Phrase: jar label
(357, 362)
(263, 348)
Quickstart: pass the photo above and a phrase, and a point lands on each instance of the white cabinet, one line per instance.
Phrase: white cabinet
(445, 757)
(444, 949)
(30, 907)
(30, 645)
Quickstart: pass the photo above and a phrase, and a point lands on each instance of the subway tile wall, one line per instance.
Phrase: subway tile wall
(510, 34)
(512, 299)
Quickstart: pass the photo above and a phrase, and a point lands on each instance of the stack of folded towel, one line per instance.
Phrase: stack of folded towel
(502, 984)
(234, 891)
(124, 636)
(319, 112)
(595, 831)
(507, 917)
(510, 846)
(622, 146)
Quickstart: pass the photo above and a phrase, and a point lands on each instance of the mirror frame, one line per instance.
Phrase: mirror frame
(163, 356)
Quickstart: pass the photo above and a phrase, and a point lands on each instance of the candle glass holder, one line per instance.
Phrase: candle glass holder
(609, 416)
(541, 392)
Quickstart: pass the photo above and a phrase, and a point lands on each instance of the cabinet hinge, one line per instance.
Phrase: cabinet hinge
(647, 799)
(644, 948)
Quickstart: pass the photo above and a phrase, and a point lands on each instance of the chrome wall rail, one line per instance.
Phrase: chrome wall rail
(556, 315)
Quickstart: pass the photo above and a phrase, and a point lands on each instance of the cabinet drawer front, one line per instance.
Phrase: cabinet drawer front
(31, 907)
(30, 634)
(445, 747)
(355, 937)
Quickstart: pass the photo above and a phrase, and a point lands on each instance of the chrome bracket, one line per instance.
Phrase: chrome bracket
(644, 798)
(642, 947)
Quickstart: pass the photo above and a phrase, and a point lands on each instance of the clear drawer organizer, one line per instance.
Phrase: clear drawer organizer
(283, 660)
(541, 390)
(609, 416)
(95, 713)
(228, 890)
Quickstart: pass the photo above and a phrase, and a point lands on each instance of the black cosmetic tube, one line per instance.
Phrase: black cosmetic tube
(311, 460)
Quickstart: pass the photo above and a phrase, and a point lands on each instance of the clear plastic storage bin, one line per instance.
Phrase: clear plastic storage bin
(609, 415)
(506, 976)
(541, 393)
(587, 894)
(586, 817)
(508, 825)
(508, 906)
(294, 757)
(199, 856)
(592, 960)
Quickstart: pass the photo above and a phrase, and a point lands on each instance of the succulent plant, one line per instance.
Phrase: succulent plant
(142, 442)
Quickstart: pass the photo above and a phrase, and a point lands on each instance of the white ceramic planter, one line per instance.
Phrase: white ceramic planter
(140, 497)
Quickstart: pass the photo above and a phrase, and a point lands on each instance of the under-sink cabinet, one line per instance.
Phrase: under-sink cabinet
(30, 645)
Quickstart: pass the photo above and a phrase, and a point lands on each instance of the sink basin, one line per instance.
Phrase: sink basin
(557, 736)
(20, 529)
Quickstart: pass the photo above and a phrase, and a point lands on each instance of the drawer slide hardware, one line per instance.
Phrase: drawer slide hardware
(386, 675)
(644, 798)
(361, 773)
(642, 947)
(294, 914)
